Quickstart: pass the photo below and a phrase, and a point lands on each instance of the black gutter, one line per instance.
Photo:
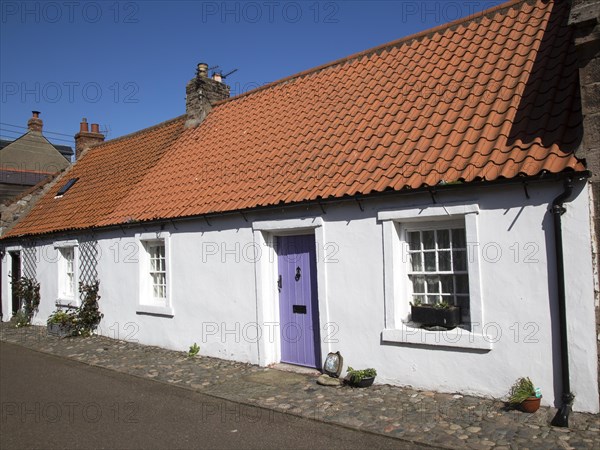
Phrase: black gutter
(438, 189)
(561, 419)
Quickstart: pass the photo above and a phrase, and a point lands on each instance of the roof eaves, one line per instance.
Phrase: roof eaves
(541, 177)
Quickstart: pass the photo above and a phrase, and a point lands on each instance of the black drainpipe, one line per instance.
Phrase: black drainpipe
(561, 419)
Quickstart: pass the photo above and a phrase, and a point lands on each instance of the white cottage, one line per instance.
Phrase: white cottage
(307, 216)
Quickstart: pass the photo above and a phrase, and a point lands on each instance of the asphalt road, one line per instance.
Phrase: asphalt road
(50, 402)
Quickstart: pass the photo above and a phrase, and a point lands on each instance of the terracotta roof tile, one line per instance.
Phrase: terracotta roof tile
(494, 96)
(102, 185)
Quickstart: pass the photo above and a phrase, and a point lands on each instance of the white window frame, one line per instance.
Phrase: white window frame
(64, 298)
(147, 302)
(427, 226)
(398, 288)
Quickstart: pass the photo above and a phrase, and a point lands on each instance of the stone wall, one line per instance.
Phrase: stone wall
(12, 210)
(584, 18)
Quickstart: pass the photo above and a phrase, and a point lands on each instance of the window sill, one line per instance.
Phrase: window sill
(157, 310)
(456, 338)
(67, 302)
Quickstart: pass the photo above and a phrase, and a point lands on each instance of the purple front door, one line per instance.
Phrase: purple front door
(298, 306)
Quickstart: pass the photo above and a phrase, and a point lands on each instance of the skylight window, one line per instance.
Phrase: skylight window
(66, 187)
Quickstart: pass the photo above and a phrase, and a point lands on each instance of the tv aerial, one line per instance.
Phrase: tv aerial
(229, 73)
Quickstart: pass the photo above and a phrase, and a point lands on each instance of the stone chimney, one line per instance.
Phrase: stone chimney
(35, 123)
(85, 138)
(201, 93)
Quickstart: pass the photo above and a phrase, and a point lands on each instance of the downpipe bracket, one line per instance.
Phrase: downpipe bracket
(561, 419)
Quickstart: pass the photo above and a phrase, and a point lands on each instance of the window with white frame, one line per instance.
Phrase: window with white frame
(158, 271)
(430, 257)
(154, 274)
(438, 271)
(67, 274)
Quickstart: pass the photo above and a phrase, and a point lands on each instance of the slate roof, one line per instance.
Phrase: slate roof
(490, 97)
(22, 177)
(64, 150)
(32, 152)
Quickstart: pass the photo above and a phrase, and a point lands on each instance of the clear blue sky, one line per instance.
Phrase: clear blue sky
(125, 64)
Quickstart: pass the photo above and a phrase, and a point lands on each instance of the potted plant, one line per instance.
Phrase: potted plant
(84, 320)
(61, 323)
(524, 395)
(361, 378)
(441, 314)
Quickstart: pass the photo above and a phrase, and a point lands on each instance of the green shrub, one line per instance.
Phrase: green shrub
(194, 350)
(88, 315)
(27, 291)
(22, 319)
(356, 376)
(521, 390)
(64, 318)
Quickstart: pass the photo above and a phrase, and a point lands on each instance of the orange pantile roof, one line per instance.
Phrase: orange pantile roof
(102, 185)
(494, 96)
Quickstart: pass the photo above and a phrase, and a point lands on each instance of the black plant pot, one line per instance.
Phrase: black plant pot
(365, 382)
(430, 316)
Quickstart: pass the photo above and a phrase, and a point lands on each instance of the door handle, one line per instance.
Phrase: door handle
(298, 273)
(279, 283)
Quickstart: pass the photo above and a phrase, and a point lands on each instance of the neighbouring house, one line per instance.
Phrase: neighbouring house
(29, 165)
(30, 159)
(20, 164)
(306, 216)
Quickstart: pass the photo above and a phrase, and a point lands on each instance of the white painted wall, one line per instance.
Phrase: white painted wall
(220, 289)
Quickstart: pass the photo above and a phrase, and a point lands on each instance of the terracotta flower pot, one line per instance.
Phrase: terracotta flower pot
(531, 404)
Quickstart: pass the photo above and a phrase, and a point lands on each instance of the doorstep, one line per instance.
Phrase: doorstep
(285, 367)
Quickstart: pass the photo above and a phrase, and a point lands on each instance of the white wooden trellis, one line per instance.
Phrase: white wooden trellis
(29, 262)
(88, 262)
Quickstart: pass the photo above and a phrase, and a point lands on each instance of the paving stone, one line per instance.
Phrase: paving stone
(436, 419)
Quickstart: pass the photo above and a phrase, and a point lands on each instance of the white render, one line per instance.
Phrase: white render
(222, 288)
